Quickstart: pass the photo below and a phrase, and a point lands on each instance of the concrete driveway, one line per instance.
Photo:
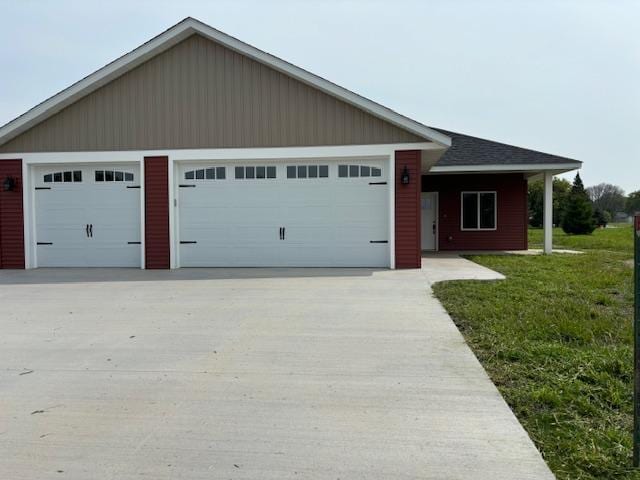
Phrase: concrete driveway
(244, 374)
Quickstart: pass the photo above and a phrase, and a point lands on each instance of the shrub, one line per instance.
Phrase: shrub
(601, 217)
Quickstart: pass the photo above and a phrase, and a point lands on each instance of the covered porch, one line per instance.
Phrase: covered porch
(475, 196)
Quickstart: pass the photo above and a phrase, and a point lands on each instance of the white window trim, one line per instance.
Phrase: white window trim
(495, 211)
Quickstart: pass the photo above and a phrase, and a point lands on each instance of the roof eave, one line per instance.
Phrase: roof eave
(560, 167)
(174, 35)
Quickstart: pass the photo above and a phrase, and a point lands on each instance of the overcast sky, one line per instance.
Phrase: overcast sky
(557, 76)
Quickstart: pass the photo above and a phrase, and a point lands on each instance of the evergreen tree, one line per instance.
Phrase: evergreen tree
(578, 214)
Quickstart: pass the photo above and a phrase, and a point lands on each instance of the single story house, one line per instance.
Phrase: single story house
(198, 150)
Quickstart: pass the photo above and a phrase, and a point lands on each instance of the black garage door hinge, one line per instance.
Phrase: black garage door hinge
(187, 186)
(134, 243)
(43, 188)
(377, 183)
(133, 186)
(378, 241)
(183, 242)
(44, 243)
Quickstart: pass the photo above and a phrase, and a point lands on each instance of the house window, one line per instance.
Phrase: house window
(255, 172)
(479, 211)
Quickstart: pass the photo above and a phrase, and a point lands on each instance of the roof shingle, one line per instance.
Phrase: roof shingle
(468, 150)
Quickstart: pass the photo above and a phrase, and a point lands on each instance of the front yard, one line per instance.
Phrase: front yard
(556, 338)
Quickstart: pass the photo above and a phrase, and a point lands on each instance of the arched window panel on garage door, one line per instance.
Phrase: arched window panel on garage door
(113, 176)
(355, 171)
(63, 177)
(208, 173)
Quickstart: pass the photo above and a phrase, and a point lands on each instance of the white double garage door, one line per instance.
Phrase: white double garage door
(324, 213)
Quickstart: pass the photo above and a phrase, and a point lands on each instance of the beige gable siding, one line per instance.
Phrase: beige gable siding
(199, 94)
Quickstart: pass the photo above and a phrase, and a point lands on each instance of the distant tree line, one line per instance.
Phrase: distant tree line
(580, 210)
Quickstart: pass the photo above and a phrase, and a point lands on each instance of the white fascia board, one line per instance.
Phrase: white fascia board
(226, 154)
(560, 167)
(176, 34)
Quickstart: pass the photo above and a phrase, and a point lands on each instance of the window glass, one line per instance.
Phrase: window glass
(77, 176)
(108, 175)
(57, 177)
(302, 171)
(48, 178)
(99, 176)
(119, 176)
(365, 171)
(313, 171)
(210, 173)
(189, 175)
(324, 171)
(250, 172)
(488, 210)
(353, 170)
(221, 173)
(128, 177)
(469, 210)
(291, 171)
(376, 172)
(67, 176)
(343, 170)
(200, 174)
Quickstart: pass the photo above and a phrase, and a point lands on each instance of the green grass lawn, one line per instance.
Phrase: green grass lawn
(556, 338)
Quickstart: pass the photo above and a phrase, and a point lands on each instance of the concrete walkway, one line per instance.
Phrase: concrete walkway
(245, 374)
(439, 267)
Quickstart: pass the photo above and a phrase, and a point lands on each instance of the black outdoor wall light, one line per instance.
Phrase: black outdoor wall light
(8, 184)
(405, 178)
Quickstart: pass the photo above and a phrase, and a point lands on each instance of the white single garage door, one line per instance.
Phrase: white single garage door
(87, 216)
(286, 213)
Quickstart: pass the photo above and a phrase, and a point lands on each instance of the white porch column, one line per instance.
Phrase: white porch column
(548, 213)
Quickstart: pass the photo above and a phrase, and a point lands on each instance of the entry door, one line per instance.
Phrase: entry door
(429, 220)
(285, 213)
(88, 216)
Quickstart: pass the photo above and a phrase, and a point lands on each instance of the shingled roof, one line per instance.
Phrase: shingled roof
(468, 150)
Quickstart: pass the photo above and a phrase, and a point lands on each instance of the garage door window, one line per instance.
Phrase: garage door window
(113, 176)
(66, 177)
(209, 173)
(353, 171)
(308, 171)
(252, 172)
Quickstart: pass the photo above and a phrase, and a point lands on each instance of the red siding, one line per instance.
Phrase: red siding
(511, 232)
(407, 211)
(11, 217)
(156, 195)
